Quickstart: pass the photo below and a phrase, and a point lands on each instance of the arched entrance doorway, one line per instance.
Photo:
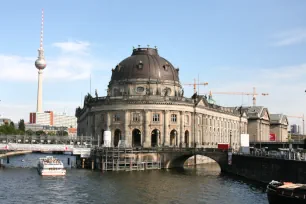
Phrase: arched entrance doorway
(102, 137)
(117, 137)
(136, 138)
(173, 138)
(155, 137)
(186, 138)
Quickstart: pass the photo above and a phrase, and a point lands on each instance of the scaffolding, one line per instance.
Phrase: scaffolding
(125, 159)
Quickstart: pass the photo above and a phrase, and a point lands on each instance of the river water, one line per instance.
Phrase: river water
(203, 184)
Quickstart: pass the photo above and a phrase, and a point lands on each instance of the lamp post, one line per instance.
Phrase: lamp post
(230, 139)
(194, 127)
(260, 134)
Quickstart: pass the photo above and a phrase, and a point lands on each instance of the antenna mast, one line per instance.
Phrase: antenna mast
(42, 30)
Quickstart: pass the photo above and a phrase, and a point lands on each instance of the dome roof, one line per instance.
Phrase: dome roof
(145, 63)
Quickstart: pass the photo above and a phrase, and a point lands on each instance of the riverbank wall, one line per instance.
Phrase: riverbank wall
(265, 169)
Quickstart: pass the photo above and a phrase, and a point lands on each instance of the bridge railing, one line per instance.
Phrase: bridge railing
(157, 149)
(287, 154)
(46, 139)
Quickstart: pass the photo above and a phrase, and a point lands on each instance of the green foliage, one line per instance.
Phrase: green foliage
(62, 133)
(12, 125)
(21, 125)
(40, 132)
(52, 133)
(29, 132)
(9, 130)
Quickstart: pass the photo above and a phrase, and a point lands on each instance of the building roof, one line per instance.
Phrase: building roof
(145, 63)
(254, 112)
(278, 119)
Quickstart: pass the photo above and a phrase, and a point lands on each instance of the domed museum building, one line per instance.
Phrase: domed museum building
(145, 106)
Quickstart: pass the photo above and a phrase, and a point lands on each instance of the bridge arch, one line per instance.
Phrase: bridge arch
(177, 159)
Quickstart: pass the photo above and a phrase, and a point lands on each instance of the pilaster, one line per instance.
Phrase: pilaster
(181, 141)
(146, 136)
(166, 128)
(108, 121)
(127, 136)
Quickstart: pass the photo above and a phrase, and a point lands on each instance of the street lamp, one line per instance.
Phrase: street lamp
(194, 97)
(230, 139)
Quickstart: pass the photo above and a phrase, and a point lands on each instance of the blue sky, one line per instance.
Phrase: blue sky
(232, 45)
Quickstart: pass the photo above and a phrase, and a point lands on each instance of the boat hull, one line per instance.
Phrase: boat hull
(277, 197)
(52, 173)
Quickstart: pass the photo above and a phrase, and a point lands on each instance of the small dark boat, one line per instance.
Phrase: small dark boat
(286, 193)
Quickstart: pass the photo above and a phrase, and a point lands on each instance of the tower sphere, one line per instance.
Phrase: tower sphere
(40, 63)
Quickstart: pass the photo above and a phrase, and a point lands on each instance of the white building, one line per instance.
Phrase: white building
(50, 118)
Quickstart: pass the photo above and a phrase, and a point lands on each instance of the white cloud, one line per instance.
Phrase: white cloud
(80, 47)
(292, 37)
(75, 62)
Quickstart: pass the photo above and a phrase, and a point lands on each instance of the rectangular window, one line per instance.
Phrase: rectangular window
(155, 117)
(173, 118)
(117, 117)
(136, 117)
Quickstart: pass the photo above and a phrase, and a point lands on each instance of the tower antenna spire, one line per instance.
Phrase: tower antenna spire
(40, 64)
(42, 30)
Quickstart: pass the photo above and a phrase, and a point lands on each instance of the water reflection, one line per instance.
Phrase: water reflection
(204, 184)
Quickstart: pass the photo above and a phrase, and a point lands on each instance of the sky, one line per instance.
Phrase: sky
(233, 45)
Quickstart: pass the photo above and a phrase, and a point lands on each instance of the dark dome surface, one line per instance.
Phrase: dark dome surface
(145, 63)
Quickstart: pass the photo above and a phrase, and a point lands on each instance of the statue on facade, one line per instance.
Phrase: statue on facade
(108, 92)
(96, 93)
(147, 91)
(166, 92)
(182, 92)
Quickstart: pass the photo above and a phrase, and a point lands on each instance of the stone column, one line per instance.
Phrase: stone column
(182, 137)
(146, 134)
(203, 129)
(108, 121)
(126, 134)
(166, 128)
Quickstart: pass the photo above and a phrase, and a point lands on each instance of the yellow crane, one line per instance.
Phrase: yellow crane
(253, 94)
(195, 84)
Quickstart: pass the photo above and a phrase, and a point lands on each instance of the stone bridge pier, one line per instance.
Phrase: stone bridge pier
(176, 159)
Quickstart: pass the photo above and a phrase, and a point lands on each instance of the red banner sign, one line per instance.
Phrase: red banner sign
(272, 137)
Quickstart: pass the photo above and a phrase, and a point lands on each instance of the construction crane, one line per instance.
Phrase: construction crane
(254, 94)
(195, 84)
(300, 117)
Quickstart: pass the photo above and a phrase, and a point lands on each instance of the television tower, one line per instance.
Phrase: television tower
(40, 64)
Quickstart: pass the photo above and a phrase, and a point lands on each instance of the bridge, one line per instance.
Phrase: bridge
(12, 149)
(168, 157)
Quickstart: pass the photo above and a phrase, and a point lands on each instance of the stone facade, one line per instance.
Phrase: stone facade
(178, 123)
(279, 127)
(145, 106)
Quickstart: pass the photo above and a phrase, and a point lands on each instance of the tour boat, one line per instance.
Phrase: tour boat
(286, 192)
(50, 166)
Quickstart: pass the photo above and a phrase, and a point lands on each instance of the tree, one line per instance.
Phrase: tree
(40, 132)
(12, 125)
(7, 129)
(62, 133)
(21, 125)
(29, 132)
